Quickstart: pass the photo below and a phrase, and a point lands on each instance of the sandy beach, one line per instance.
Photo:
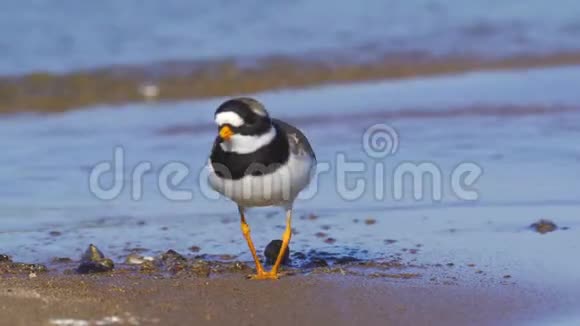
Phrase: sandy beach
(125, 299)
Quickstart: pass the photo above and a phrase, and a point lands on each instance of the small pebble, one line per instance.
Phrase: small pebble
(172, 255)
(312, 217)
(136, 259)
(370, 221)
(330, 240)
(149, 91)
(173, 261)
(320, 235)
(194, 249)
(94, 261)
(544, 226)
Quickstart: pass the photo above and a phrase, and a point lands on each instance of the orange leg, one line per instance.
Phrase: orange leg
(246, 232)
(285, 241)
(273, 274)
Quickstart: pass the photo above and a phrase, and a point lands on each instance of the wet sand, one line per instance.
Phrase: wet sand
(128, 299)
(184, 80)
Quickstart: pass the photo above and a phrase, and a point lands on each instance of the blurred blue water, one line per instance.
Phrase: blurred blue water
(66, 35)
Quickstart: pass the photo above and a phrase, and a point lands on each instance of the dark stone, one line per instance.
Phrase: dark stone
(89, 267)
(55, 233)
(172, 256)
(330, 240)
(272, 251)
(92, 254)
(5, 259)
(94, 261)
(173, 261)
(312, 217)
(370, 221)
(544, 226)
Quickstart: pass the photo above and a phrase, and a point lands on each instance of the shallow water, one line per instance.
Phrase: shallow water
(41, 35)
(523, 137)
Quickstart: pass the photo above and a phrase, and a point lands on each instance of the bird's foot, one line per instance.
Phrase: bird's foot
(261, 275)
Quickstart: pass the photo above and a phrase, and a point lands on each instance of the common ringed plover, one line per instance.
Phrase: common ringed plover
(259, 161)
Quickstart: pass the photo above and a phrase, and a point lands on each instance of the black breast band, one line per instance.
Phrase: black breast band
(267, 159)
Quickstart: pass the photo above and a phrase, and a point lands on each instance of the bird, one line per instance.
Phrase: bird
(259, 161)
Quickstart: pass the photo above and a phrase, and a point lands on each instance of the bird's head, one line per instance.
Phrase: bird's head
(243, 125)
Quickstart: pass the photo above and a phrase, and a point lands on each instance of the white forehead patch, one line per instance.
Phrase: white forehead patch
(231, 118)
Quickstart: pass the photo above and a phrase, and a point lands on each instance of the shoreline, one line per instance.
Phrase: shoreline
(335, 290)
(116, 85)
(128, 299)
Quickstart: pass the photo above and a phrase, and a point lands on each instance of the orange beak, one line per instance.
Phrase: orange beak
(226, 133)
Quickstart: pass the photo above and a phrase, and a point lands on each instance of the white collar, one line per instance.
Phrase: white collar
(245, 144)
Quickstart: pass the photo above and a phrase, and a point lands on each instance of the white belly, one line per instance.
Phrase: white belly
(275, 189)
